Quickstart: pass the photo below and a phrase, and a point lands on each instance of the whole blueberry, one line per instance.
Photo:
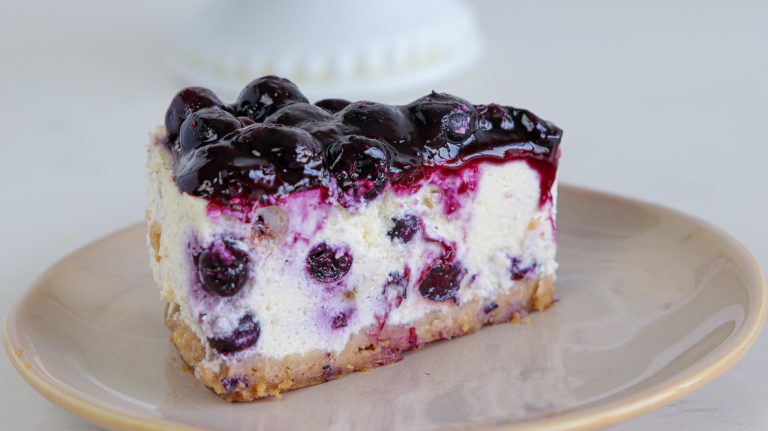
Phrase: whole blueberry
(185, 102)
(404, 228)
(206, 126)
(223, 267)
(333, 105)
(360, 167)
(439, 116)
(252, 164)
(457, 126)
(442, 281)
(327, 264)
(244, 336)
(298, 113)
(263, 96)
(502, 124)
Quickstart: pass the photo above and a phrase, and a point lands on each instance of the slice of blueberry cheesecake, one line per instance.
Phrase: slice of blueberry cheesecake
(295, 243)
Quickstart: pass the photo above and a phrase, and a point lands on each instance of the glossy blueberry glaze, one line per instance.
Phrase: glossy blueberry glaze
(359, 168)
(263, 96)
(206, 126)
(186, 102)
(353, 149)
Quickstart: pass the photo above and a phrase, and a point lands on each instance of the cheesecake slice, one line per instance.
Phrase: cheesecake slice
(294, 243)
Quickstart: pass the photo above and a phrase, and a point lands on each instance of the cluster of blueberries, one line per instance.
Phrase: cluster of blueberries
(272, 141)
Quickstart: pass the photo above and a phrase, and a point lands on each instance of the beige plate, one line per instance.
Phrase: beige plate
(653, 304)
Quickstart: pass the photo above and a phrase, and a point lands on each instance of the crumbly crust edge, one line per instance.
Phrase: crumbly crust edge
(253, 377)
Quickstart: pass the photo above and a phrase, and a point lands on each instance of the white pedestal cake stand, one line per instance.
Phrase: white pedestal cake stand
(335, 48)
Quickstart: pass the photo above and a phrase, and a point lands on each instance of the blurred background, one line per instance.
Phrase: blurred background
(660, 100)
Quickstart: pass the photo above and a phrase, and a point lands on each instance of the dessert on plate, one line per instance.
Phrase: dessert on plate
(294, 243)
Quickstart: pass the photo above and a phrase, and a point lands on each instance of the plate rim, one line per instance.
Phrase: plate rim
(597, 416)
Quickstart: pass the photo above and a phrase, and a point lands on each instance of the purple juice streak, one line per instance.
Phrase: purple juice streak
(394, 292)
(456, 186)
(413, 339)
(518, 271)
(400, 279)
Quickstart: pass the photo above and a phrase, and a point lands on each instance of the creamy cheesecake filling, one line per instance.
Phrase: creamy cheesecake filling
(500, 232)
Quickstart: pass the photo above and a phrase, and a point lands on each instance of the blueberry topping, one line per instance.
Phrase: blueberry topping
(251, 165)
(490, 307)
(263, 96)
(333, 105)
(275, 143)
(206, 126)
(360, 167)
(442, 281)
(185, 102)
(328, 264)
(223, 267)
(405, 228)
(244, 336)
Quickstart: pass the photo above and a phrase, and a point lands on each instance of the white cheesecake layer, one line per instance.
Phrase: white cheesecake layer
(499, 220)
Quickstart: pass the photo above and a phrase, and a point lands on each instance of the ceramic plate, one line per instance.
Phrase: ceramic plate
(652, 305)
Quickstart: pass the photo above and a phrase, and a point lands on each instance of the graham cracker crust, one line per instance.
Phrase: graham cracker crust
(258, 377)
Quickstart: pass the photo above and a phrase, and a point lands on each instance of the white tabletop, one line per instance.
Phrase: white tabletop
(665, 101)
